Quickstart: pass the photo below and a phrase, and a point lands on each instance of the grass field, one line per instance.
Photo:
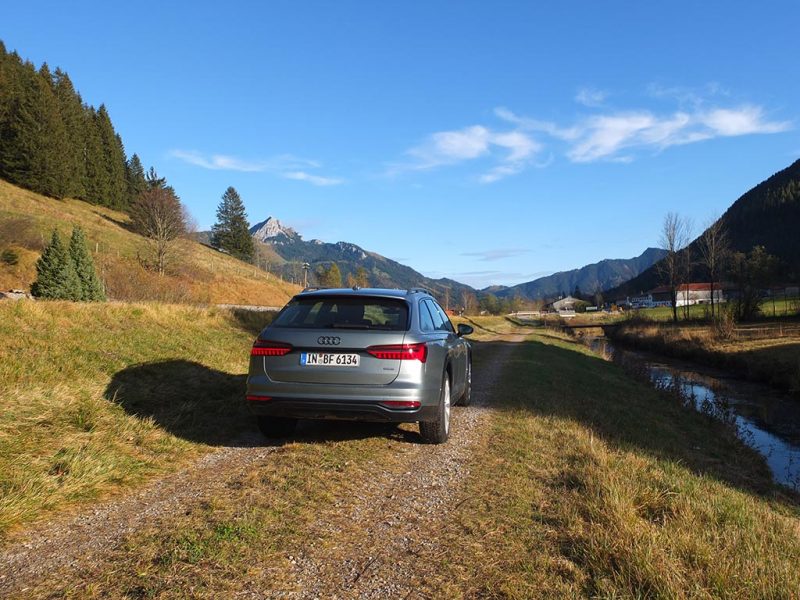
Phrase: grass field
(781, 307)
(197, 274)
(99, 397)
(589, 483)
(594, 485)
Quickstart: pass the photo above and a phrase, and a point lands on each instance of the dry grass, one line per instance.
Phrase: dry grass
(99, 397)
(197, 274)
(764, 351)
(593, 485)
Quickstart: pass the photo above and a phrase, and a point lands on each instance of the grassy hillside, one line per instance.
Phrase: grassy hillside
(98, 397)
(197, 274)
(767, 215)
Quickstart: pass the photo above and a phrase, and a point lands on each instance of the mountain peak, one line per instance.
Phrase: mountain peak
(270, 229)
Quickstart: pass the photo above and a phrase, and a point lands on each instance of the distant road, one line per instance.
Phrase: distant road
(250, 307)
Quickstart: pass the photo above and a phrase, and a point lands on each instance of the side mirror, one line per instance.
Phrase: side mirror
(464, 329)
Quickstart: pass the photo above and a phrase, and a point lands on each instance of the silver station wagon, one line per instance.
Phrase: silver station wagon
(360, 354)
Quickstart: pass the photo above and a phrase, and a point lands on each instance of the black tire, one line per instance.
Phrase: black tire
(466, 397)
(438, 430)
(276, 427)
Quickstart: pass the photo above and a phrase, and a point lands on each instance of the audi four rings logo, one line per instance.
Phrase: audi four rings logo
(327, 340)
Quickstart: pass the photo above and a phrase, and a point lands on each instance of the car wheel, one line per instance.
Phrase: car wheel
(276, 427)
(466, 397)
(438, 430)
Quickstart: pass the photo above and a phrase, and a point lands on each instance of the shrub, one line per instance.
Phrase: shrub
(9, 257)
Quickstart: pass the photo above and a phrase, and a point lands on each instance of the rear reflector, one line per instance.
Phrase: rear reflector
(400, 352)
(259, 398)
(267, 348)
(401, 403)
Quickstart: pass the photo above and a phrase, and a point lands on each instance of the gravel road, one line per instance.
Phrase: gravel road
(378, 532)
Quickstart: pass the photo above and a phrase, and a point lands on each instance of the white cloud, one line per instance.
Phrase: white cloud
(217, 162)
(742, 121)
(449, 147)
(603, 137)
(590, 97)
(285, 165)
(314, 179)
(511, 151)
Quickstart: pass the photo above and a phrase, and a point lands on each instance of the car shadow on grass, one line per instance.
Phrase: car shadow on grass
(203, 405)
(252, 321)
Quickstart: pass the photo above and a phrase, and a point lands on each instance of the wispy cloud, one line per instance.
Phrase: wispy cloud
(285, 165)
(496, 253)
(591, 97)
(314, 179)
(616, 136)
(217, 162)
(511, 151)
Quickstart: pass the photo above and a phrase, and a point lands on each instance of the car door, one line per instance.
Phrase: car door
(454, 346)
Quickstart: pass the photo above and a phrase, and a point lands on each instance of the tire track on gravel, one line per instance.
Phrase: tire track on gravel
(364, 546)
(81, 539)
(367, 546)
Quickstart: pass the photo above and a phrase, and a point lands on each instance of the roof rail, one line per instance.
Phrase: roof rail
(422, 290)
(312, 288)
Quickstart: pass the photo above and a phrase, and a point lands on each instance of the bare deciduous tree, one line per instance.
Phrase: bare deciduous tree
(469, 302)
(675, 234)
(714, 248)
(158, 215)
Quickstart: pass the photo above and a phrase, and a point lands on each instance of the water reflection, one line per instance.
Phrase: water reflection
(763, 418)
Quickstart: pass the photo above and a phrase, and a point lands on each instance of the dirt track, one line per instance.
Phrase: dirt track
(390, 521)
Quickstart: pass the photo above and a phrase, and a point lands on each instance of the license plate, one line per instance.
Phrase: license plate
(328, 359)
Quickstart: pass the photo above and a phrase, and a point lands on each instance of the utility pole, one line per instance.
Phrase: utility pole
(306, 267)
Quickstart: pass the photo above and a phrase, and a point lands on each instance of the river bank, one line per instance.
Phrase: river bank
(766, 352)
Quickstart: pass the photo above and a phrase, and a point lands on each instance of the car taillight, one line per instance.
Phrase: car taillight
(253, 398)
(267, 348)
(401, 403)
(400, 352)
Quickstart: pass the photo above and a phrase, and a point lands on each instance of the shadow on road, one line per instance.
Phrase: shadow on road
(204, 405)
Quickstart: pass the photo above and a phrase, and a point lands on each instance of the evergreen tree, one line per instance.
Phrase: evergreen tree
(32, 138)
(56, 278)
(91, 289)
(95, 176)
(134, 174)
(231, 232)
(113, 160)
(71, 109)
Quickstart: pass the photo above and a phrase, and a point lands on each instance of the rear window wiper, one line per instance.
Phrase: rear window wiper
(350, 326)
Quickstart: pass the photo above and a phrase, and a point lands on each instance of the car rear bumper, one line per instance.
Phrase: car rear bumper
(364, 403)
(306, 408)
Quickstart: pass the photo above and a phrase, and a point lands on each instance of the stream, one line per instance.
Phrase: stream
(765, 419)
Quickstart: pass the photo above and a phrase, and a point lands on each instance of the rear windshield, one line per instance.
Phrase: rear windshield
(344, 312)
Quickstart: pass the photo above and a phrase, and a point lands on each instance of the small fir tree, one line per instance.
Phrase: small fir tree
(56, 278)
(231, 232)
(90, 286)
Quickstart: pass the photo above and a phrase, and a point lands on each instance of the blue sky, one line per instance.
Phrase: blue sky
(491, 142)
